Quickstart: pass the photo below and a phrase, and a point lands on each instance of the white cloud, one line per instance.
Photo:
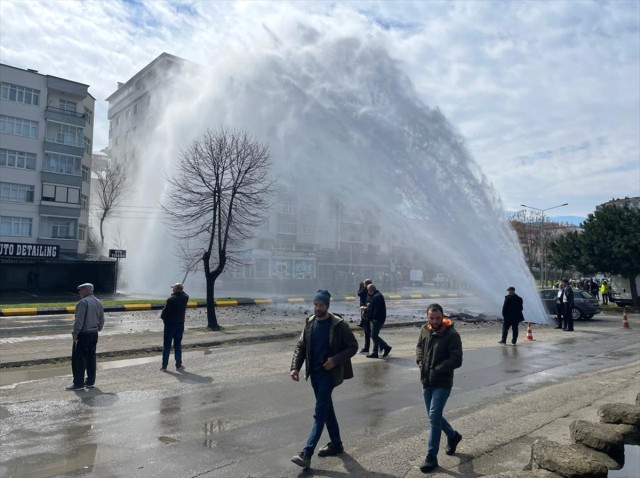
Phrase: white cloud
(516, 78)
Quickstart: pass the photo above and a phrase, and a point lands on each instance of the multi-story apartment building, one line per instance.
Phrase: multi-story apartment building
(46, 136)
(631, 202)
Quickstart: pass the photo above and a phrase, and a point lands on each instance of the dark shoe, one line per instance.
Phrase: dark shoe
(452, 444)
(364, 351)
(180, 368)
(568, 330)
(372, 356)
(430, 463)
(558, 327)
(502, 343)
(89, 385)
(564, 328)
(387, 351)
(163, 369)
(74, 387)
(330, 450)
(514, 344)
(302, 460)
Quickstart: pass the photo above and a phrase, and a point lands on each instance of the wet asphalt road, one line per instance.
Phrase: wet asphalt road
(236, 413)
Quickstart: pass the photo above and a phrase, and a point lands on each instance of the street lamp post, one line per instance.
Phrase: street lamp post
(542, 241)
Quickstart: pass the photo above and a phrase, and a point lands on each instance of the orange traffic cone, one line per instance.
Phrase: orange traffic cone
(529, 333)
(625, 321)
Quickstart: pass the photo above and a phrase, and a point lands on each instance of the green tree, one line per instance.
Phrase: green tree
(611, 239)
(609, 242)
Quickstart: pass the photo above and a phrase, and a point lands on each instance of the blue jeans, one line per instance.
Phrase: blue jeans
(322, 384)
(435, 399)
(172, 332)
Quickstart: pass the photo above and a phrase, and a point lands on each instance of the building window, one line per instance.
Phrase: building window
(82, 232)
(286, 228)
(84, 201)
(17, 159)
(86, 174)
(18, 126)
(63, 133)
(62, 194)
(135, 109)
(88, 115)
(286, 208)
(68, 106)
(62, 163)
(15, 226)
(62, 228)
(87, 145)
(20, 94)
(16, 192)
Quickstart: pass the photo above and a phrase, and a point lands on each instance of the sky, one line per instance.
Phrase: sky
(546, 94)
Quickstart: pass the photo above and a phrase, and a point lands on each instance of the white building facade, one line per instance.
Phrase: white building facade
(46, 136)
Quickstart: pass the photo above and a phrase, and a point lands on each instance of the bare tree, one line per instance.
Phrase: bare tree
(112, 186)
(219, 194)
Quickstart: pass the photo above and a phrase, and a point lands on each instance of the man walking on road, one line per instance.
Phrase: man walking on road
(364, 296)
(173, 317)
(326, 346)
(511, 316)
(89, 320)
(567, 302)
(438, 353)
(376, 313)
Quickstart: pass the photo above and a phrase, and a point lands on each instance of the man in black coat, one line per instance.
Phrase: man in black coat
(173, 317)
(511, 315)
(376, 313)
(567, 302)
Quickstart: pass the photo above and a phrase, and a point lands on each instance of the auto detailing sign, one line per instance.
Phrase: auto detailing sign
(33, 251)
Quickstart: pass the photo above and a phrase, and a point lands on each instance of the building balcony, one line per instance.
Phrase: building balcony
(65, 116)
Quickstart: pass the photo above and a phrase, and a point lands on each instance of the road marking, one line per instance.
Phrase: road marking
(226, 302)
(295, 299)
(137, 306)
(263, 301)
(21, 311)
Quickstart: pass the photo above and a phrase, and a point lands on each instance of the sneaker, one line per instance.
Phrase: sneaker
(302, 460)
(514, 344)
(163, 369)
(430, 463)
(89, 385)
(387, 351)
(502, 343)
(180, 368)
(364, 351)
(372, 356)
(331, 450)
(452, 443)
(74, 387)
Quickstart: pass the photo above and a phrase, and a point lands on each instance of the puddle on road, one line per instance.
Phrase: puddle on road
(83, 458)
(27, 374)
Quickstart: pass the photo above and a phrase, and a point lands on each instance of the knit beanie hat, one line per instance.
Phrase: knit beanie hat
(323, 296)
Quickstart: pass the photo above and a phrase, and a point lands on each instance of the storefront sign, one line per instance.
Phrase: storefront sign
(37, 251)
(118, 253)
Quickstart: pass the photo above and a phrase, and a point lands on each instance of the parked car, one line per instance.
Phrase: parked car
(585, 305)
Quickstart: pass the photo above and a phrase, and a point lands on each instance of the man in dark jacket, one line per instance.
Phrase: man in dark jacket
(438, 353)
(326, 346)
(173, 317)
(567, 302)
(376, 314)
(89, 320)
(511, 316)
(364, 296)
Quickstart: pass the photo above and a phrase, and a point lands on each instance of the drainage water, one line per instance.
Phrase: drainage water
(631, 468)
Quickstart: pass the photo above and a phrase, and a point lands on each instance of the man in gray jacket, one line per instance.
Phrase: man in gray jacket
(89, 321)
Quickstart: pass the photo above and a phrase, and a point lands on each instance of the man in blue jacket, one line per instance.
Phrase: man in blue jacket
(326, 346)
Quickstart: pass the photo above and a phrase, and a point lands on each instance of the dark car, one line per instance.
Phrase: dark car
(585, 305)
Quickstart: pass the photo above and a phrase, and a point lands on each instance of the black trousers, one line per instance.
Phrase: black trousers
(83, 358)
(513, 324)
(568, 316)
(366, 326)
(559, 313)
(379, 345)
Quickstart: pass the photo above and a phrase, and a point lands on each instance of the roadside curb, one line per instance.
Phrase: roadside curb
(267, 337)
(13, 311)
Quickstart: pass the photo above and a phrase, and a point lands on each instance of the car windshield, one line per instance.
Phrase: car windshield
(586, 295)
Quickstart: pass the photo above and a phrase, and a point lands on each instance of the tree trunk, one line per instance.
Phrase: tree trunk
(102, 233)
(212, 320)
(634, 290)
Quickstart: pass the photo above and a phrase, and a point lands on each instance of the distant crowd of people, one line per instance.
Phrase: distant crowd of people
(600, 289)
